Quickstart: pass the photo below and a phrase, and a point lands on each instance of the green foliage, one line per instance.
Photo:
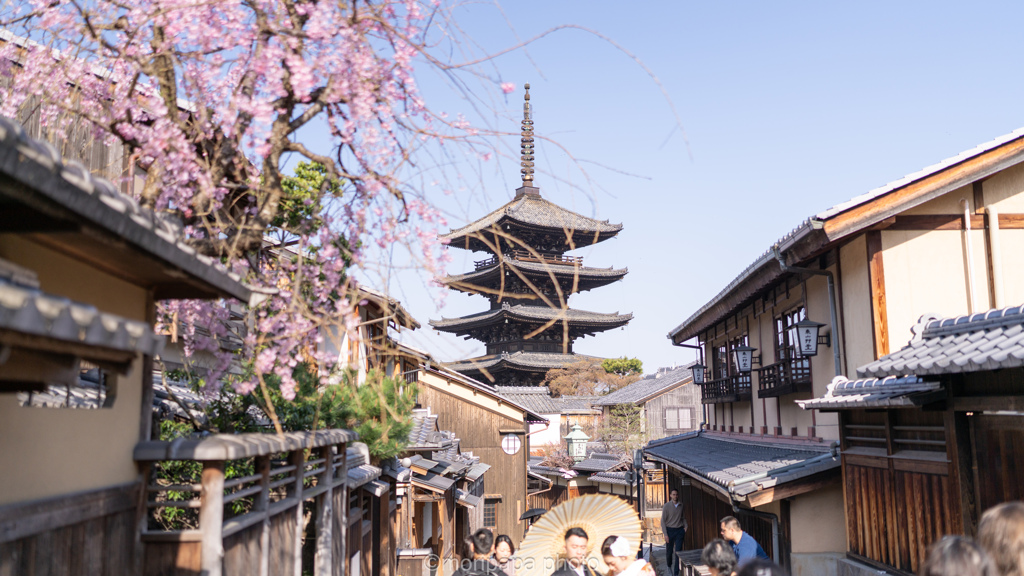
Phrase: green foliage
(303, 193)
(178, 472)
(624, 429)
(623, 366)
(380, 411)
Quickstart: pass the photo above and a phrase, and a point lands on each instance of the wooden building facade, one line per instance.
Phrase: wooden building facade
(930, 452)
(864, 270)
(495, 430)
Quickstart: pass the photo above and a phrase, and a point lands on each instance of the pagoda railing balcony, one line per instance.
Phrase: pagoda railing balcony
(784, 377)
(527, 256)
(731, 389)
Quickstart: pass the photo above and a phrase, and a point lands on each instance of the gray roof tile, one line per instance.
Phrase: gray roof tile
(990, 340)
(890, 392)
(539, 399)
(726, 461)
(31, 311)
(533, 210)
(67, 183)
(523, 312)
(647, 386)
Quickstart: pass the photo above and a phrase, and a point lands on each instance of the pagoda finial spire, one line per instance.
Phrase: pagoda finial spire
(527, 141)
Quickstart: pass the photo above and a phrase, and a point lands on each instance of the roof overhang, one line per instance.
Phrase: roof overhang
(59, 204)
(827, 229)
(805, 473)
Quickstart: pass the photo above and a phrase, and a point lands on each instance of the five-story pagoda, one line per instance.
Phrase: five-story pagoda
(528, 279)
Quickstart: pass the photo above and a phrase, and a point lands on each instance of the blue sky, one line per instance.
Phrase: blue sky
(788, 108)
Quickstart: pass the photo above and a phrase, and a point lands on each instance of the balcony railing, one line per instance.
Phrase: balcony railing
(785, 377)
(527, 256)
(732, 389)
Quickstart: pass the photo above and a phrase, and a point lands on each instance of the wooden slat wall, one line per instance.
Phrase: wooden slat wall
(899, 494)
(91, 534)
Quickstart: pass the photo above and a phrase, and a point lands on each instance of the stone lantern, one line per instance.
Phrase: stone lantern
(576, 443)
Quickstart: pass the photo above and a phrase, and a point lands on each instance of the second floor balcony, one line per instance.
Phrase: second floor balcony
(730, 389)
(784, 377)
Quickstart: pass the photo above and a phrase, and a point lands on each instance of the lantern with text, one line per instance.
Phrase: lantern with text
(807, 337)
(744, 358)
(576, 443)
(698, 371)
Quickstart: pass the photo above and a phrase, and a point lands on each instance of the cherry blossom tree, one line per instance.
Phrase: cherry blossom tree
(211, 99)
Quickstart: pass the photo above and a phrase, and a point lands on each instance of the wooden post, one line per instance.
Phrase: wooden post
(297, 458)
(343, 487)
(211, 518)
(262, 504)
(323, 560)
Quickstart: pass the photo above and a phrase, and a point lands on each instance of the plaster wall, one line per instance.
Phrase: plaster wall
(546, 434)
(823, 366)
(948, 203)
(52, 451)
(1003, 190)
(855, 290)
(818, 521)
(925, 272)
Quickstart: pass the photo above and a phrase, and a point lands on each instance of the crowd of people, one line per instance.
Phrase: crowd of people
(998, 550)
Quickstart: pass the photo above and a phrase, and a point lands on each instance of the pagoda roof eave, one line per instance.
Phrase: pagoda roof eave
(534, 314)
(519, 361)
(535, 213)
(594, 276)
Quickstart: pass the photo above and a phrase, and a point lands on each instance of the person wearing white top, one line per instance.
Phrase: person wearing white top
(620, 556)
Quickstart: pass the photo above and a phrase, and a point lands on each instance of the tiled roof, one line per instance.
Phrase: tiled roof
(424, 434)
(620, 478)
(448, 373)
(646, 387)
(534, 211)
(524, 312)
(539, 399)
(38, 167)
(891, 392)
(432, 481)
(730, 464)
(987, 341)
(767, 266)
(535, 269)
(528, 360)
(476, 471)
(598, 463)
(31, 311)
(467, 499)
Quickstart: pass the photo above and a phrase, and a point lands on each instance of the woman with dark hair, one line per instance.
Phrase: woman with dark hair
(1001, 534)
(957, 556)
(719, 558)
(503, 555)
(620, 556)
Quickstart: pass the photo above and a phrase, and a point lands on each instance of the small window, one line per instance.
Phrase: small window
(678, 418)
(491, 513)
(92, 389)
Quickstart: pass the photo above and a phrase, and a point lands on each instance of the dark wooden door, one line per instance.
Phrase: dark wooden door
(998, 464)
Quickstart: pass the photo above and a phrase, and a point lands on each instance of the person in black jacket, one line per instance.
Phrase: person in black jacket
(481, 544)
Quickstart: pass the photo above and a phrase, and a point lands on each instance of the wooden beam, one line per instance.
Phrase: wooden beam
(876, 280)
(794, 488)
(979, 197)
(936, 222)
(983, 403)
(926, 188)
